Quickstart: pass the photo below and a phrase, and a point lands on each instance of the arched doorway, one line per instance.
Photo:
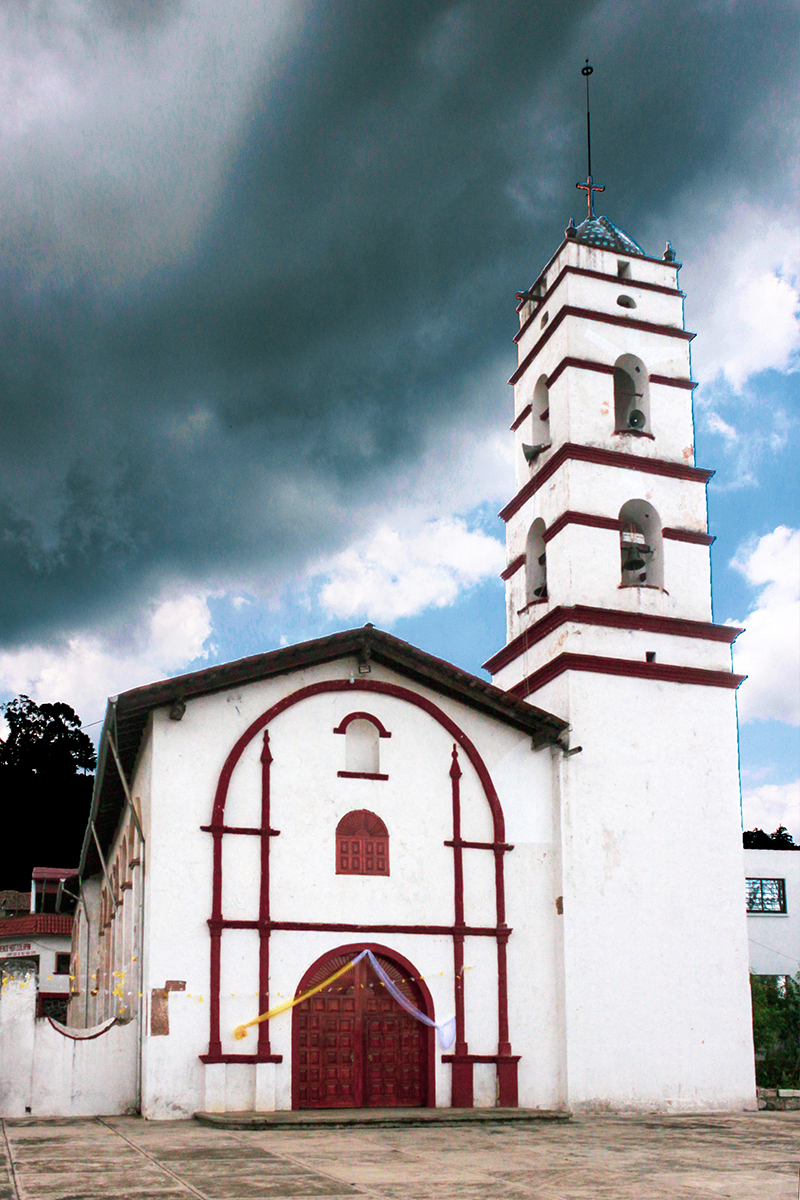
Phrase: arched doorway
(353, 1046)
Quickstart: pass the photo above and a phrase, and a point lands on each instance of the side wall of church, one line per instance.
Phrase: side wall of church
(414, 903)
(655, 938)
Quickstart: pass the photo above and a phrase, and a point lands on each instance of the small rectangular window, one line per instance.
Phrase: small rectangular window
(62, 964)
(766, 895)
(623, 269)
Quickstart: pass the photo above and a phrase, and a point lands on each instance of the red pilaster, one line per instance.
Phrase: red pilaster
(263, 948)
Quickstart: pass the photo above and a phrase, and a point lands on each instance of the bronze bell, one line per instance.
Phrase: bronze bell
(634, 560)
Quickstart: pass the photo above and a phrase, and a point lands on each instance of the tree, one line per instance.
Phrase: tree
(45, 739)
(776, 1029)
(46, 783)
(781, 839)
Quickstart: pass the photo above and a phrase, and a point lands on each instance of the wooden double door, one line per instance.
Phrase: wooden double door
(354, 1046)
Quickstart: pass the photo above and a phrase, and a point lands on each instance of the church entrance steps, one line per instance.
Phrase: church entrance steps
(377, 1118)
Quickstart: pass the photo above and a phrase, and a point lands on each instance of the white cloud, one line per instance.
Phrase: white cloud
(741, 279)
(768, 652)
(772, 804)
(395, 575)
(88, 667)
(742, 282)
(716, 424)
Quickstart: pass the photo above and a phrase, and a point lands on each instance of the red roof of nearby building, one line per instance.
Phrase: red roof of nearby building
(36, 923)
(54, 872)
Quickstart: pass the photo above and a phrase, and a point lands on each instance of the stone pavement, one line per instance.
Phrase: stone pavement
(751, 1156)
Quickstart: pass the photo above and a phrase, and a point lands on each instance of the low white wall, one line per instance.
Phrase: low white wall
(45, 1074)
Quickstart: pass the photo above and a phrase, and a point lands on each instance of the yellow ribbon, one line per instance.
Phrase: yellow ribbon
(241, 1030)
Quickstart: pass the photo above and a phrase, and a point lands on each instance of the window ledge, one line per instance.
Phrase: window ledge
(756, 912)
(532, 604)
(360, 775)
(644, 587)
(634, 433)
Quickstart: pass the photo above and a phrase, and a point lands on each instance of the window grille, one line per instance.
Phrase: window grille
(766, 895)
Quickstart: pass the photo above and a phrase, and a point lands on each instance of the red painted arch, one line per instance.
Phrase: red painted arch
(362, 716)
(386, 952)
(361, 685)
(218, 829)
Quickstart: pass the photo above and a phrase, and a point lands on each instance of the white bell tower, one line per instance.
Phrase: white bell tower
(608, 596)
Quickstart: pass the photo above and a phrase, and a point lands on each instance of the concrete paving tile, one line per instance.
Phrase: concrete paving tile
(286, 1186)
(94, 1187)
(451, 1189)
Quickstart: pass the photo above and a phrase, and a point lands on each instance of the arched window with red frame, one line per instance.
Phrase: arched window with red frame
(362, 844)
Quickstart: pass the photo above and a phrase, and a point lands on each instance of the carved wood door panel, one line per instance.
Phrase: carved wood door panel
(356, 1047)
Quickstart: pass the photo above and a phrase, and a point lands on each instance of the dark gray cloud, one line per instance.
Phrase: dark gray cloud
(250, 266)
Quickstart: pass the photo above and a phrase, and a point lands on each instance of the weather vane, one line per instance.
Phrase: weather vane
(589, 187)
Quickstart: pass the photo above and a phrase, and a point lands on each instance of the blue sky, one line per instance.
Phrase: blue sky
(260, 263)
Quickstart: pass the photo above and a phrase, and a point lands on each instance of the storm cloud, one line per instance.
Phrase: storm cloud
(257, 257)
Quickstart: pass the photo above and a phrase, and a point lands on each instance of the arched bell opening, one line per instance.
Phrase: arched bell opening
(631, 395)
(641, 547)
(535, 563)
(353, 1045)
(539, 426)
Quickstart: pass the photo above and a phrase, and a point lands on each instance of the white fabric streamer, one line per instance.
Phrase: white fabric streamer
(446, 1030)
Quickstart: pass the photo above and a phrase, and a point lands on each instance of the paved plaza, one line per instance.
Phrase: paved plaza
(746, 1157)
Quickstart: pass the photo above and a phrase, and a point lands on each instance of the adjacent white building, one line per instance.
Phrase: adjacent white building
(554, 861)
(773, 911)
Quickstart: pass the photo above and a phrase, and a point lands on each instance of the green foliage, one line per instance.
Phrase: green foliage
(776, 1029)
(46, 739)
(781, 839)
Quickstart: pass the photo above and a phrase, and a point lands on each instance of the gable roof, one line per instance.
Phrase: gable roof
(127, 714)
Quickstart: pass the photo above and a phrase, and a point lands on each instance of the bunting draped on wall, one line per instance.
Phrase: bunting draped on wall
(446, 1030)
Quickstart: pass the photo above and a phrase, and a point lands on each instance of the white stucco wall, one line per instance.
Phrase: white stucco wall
(308, 800)
(657, 997)
(774, 938)
(46, 1074)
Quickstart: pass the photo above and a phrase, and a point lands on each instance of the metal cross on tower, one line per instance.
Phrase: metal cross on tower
(589, 188)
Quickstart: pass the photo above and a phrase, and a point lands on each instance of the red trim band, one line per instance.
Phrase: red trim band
(590, 314)
(513, 567)
(615, 279)
(240, 1058)
(688, 384)
(480, 845)
(688, 535)
(583, 364)
(239, 829)
(593, 520)
(338, 927)
(589, 364)
(605, 458)
(525, 412)
(609, 618)
(359, 774)
(600, 665)
(570, 517)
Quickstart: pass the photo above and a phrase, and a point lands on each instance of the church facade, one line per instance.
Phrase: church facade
(553, 860)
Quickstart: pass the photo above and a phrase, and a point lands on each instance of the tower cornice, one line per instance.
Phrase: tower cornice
(570, 269)
(629, 254)
(629, 668)
(608, 618)
(607, 458)
(589, 314)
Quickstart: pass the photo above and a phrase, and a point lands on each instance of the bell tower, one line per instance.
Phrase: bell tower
(608, 597)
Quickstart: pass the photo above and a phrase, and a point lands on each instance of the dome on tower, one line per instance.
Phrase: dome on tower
(600, 232)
